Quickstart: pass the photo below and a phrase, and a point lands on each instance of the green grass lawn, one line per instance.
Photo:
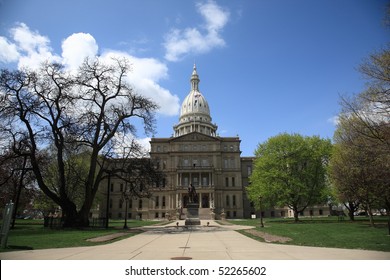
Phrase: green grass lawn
(30, 234)
(327, 232)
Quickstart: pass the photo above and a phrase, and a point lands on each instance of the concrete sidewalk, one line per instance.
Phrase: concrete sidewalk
(213, 242)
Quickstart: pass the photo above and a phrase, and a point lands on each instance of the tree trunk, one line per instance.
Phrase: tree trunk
(351, 210)
(69, 215)
(351, 215)
(370, 216)
(296, 215)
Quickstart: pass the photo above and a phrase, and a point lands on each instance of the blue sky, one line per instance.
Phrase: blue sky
(266, 67)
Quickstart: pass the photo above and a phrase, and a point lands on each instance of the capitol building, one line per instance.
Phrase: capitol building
(195, 155)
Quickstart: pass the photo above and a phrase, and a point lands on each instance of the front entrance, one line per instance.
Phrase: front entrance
(205, 200)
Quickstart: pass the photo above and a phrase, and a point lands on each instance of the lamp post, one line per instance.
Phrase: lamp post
(125, 225)
(126, 195)
(261, 213)
(108, 198)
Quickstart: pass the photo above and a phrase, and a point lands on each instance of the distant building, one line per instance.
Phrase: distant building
(195, 155)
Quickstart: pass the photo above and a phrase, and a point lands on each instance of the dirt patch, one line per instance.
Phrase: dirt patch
(268, 237)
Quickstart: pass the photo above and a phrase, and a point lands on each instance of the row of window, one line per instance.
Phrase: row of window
(301, 213)
(122, 202)
(123, 189)
(231, 199)
(196, 147)
(157, 215)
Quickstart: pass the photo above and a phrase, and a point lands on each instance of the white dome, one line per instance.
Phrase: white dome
(195, 105)
(195, 111)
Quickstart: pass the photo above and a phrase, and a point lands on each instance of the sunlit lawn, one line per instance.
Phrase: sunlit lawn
(30, 234)
(328, 232)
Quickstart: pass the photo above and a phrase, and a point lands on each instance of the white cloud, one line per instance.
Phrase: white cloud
(334, 120)
(77, 47)
(29, 49)
(144, 77)
(8, 51)
(130, 144)
(192, 40)
(216, 17)
(28, 40)
(33, 48)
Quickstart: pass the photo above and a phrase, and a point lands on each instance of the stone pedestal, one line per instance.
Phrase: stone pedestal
(192, 214)
(223, 215)
(212, 214)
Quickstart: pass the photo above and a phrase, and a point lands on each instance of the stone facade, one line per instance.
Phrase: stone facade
(195, 155)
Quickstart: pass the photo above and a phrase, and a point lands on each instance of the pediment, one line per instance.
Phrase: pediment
(194, 136)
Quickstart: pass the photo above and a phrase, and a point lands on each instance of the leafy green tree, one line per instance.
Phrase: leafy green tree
(359, 170)
(290, 169)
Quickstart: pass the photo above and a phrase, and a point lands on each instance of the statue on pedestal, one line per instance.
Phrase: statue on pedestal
(193, 198)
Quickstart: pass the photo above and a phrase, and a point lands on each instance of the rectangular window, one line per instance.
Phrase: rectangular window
(226, 182)
(163, 201)
(121, 187)
(112, 187)
(232, 163)
(249, 170)
(233, 182)
(234, 200)
(157, 201)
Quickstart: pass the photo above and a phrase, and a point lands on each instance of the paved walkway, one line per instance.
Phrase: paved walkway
(213, 242)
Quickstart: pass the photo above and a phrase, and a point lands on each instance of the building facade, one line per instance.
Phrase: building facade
(195, 155)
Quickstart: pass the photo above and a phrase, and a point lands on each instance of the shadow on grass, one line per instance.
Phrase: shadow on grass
(13, 247)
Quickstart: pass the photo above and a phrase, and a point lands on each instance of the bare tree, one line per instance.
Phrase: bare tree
(58, 114)
(368, 113)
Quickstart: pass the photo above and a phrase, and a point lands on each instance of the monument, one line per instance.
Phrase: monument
(192, 208)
